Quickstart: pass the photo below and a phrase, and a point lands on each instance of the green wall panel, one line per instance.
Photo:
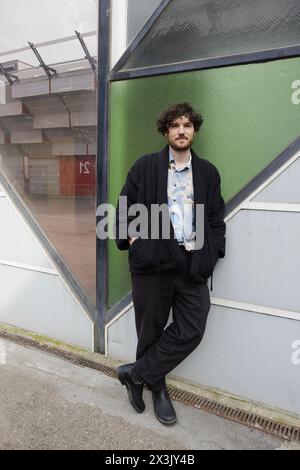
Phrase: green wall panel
(249, 118)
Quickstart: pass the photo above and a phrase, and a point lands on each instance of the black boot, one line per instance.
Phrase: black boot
(163, 407)
(128, 376)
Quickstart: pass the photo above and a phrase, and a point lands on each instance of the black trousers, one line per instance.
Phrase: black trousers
(159, 350)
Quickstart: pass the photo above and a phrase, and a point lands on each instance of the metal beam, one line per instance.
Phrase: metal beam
(88, 56)
(48, 70)
(139, 38)
(209, 63)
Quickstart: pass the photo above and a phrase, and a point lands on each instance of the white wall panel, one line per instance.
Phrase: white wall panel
(285, 188)
(41, 303)
(243, 353)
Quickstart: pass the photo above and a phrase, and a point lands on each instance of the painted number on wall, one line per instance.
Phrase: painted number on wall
(84, 168)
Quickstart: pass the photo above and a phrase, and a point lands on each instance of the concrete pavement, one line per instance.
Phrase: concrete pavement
(49, 403)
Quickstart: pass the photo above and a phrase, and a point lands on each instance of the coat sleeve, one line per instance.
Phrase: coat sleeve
(216, 217)
(130, 190)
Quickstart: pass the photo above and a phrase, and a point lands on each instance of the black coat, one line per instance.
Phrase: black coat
(146, 183)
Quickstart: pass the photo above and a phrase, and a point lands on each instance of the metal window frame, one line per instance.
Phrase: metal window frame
(106, 77)
(140, 36)
(102, 165)
(209, 63)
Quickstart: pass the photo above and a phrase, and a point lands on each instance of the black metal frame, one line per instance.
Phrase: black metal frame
(8, 75)
(259, 179)
(102, 169)
(209, 63)
(49, 71)
(140, 36)
(105, 77)
(88, 56)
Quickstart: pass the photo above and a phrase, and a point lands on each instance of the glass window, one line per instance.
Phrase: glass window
(188, 30)
(48, 135)
(137, 14)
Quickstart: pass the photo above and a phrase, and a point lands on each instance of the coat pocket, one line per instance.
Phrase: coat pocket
(209, 254)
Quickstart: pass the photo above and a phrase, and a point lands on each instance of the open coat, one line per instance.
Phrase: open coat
(146, 183)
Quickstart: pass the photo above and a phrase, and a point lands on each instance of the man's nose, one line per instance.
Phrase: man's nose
(181, 130)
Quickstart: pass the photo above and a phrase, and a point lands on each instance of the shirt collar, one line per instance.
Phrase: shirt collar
(171, 159)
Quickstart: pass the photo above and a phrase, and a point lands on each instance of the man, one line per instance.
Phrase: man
(171, 273)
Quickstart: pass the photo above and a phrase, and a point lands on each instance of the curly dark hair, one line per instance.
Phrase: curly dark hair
(175, 111)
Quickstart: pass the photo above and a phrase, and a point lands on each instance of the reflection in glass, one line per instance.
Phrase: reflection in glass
(47, 150)
(188, 30)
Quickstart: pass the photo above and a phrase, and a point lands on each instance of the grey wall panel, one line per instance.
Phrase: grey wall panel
(262, 260)
(285, 188)
(243, 353)
(41, 303)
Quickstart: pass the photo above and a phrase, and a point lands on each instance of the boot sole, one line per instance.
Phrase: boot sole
(123, 381)
(167, 423)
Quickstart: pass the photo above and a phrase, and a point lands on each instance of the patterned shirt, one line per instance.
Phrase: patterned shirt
(181, 202)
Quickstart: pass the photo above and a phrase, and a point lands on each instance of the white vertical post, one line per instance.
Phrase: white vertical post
(118, 30)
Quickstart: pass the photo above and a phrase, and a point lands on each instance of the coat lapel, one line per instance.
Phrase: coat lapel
(163, 164)
(198, 179)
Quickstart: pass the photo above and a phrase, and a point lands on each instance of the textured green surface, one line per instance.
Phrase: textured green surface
(249, 118)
